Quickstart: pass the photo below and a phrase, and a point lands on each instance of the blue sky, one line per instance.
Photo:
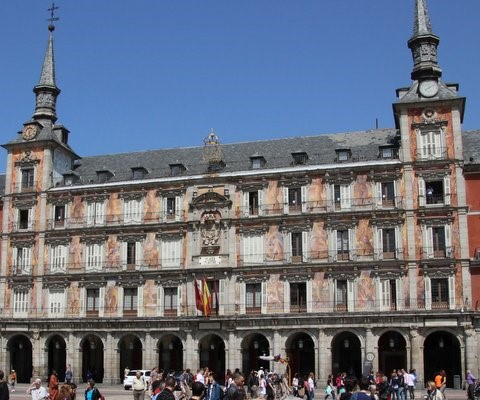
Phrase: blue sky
(148, 74)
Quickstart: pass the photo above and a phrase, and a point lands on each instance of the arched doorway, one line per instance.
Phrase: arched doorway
(131, 355)
(392, 352)
(254, 346)
(20, 349)
(92, 358)
(441, 350)
(346, 354)
(301, 354)
(57, 356)
(212, 354)
(170, 354)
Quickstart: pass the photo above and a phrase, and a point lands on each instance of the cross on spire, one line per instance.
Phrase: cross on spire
(52, 18)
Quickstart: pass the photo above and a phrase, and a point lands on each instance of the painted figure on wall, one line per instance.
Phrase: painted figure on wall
(150, 250)
(365, 291)
(114, 208)
(111, 298)
(150, 297)
(320, 292)
(76, 250)
(274, 244)
(364, 238)
(273, 198)
(152, 206)
(77, 211)
(275, 294)
(73, 296)
(362, 193)
(319, 241)
(317, 195)
(113, 253)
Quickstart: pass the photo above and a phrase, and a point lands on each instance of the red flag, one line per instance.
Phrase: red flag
(198, 296)
(207, 298)
(215, 289)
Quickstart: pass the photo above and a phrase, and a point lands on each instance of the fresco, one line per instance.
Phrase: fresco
(150, 298)
(152, 206)
(111, 299)
(406, 291)
(112, 259)
(365, 291)
(273, 198)
(150, 250)
(275, 294)
(77, 210)
(76, 253)
(320, 293)
(73, 299)
(317, 195)
(274, 244)
(319, 241)
(420, 291)
(362, 191)
(364, 243)
(113, 209)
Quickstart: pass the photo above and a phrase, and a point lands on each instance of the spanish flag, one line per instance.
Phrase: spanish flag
(207, 298)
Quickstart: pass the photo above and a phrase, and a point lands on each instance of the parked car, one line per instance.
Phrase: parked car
(128, 381)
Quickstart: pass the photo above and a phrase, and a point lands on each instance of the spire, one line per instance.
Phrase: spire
(46, 91)
(424, 44)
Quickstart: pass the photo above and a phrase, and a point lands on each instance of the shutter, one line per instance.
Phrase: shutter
(179, 301)
(140, 311)
(350, 295)
(345, 197)
(309, 295)
(379, 244)
(285, 200)
(30, 218)
(161, 301)
(305, 247)
(264, 298)
(385, 295)
(304, 198)
(245, 211)
(448, 241)
(14, 260)
(123, 255)
(243, 298)
(127, 211)
(421, 192)
(398, 244)
(137, 216)
(261, 201)
(428, 294)
(352, 251)
(379, 194)
(289, 247)
(164, 208)
(138, 252)
(90, 213)
(221, 294)
(333, 246)
(100, 217)
(178, 208)
(451, 292)
(446, 190)
(429, 242)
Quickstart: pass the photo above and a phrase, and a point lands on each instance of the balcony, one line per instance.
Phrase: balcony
(440, 252)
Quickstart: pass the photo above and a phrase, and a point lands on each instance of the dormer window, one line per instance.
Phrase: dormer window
(387, 152)
(177, 169)
(300, 158)
(138, 173)
(216, 166)
(343, 155)
(257, 162)
(104, 176)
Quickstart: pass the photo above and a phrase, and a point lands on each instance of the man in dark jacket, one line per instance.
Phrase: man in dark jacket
(167, 392)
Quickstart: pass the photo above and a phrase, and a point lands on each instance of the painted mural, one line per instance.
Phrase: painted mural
(152, 206)
(274, 245)
(362, 191)
(275, 294)
(76, 253)
(273, 198)
(150, 298)
(111, 298)
(365, 291)
(73, 299)
(364, 243)
(420, 291)
(317, 195)
(319, 241)
(77, 211)
(112, 256)
(113, 209)
(150, 250)
(320, 293)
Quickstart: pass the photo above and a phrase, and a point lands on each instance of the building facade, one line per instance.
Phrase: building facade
(339, 252)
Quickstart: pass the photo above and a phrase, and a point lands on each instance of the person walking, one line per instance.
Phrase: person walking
(4, 392)
(69, 374)
(138, 386)
(37, 391)
(92, 392)
(12, 378)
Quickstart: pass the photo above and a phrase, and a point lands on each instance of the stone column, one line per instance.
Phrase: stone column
(416, 351)
(110, 374)
(324, 356)
(190, 353)
(471, 350)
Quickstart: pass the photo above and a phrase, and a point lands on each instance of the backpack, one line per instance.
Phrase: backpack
(476, 389)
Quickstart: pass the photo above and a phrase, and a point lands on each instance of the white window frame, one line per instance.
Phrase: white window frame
(245, 203)
(253, 249)
(22, 260)
(171, 252)
(58, 258)
(345, 200)
(124, 254)
(94, 257)
(56, 303)
(431, 143)
(132, 211)
(20, 303)
(95, 213)
(169, 214)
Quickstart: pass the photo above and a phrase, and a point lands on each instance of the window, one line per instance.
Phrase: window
(27, 178)
(253, 203)
(59, 216)
(257, 162)
(343, 155)
(341, 295)
(58, 259)
(386, 152)
(388, 244)
(132, 211)
(177, 169)
(24, 219)
(131, 255)
(93, 302)
(56, 300)
(22, 257)
(171, 252)
(253, 249)
(342, 245)
(300, 158)
(95, 213)
(342, 196)
(170, 301)
(388, 194)
(138, 173)
(389, 294)
(439, 293)
(297, 250)
(213, 286)
(294, 199)
(20, 303)
(172, 208)
(104, 176)
(438, 236)
(93, 257)
(298, 297)
(253, 293)
(130, 302)
(434, 192)
(437, 241)
(430, 144)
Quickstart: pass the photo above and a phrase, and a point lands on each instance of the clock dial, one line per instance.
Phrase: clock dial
(29, 132)
(428, 88)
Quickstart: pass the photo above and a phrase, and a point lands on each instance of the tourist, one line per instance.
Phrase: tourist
(37, 391)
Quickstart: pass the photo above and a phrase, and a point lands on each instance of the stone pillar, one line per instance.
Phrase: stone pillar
(111, 360)
(471, 350)
(324, 356)
(232, 356)
(416, 351)
(190, 353)
(150, 360)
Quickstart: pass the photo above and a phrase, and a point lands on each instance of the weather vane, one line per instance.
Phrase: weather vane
(52, 18)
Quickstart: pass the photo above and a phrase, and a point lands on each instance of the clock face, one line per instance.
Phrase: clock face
(428, 88)
(29, 132)
(370, 356)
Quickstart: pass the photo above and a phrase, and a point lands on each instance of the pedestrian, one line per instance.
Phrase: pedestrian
(329, 390)
(4, 392)
(470, 378)
(53, 386)
(198, 391)
(311, 386)
(12, 378)
(167, 392)
(138, 386)
(92, 392)
(69, 374)
(236, 390)
(37, 391)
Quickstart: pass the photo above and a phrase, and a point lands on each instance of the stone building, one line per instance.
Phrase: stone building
(337, 252)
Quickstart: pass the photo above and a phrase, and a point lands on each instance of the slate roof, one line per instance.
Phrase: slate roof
(364, 146)
(471, 147)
